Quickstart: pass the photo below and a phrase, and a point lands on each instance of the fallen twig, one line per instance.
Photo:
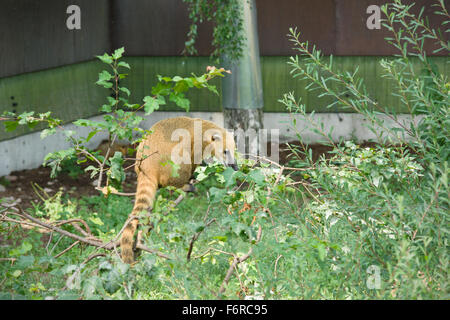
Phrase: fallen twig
(89, 240)
(195, 237)
(67, 249)
(236, 261)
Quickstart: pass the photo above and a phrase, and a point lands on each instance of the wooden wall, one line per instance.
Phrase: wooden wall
(35, 37)
(44, 66)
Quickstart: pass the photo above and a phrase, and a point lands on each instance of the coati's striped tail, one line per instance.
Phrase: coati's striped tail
(145, 195)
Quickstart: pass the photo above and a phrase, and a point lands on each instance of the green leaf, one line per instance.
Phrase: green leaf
(177, 78)
(118, 53)
(217, 194)
(230, 176)
(123, 89)
(180, 100)
(104, 76)
(17, 273)
(181, 86)
(91, 134)
(47, 132)
(321, 250)
(106, 58)
(24, 262)
(24, 248)
(116, 172)
(104, 84)
(106, 108)
(151, 104)
(10, 125)
(123, 64)
(112, 283)
(162, 89)
(91, 286)
(96, 220)
(94, 170)
(257, 176)
(88, 123)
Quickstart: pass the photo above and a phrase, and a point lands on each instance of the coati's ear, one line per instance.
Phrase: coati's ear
(216, 136)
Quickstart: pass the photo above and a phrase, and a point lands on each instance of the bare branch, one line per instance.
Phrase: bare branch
(67, 249)
(89, 240)
(236, 261)
(195, 237)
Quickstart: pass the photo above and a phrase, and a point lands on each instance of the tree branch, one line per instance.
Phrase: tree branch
(236, 261)
(195, 237)
(89, 239)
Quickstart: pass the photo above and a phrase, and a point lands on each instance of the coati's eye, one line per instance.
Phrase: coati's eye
(216, 137)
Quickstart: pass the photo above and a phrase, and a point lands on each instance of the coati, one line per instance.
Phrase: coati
(104, 145)
(184, 141)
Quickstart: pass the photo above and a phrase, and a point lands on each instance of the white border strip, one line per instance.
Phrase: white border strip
(28, 151)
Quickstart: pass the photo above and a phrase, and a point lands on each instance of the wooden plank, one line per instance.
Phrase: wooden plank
(354, 38)
(155, 28)
(35, 36)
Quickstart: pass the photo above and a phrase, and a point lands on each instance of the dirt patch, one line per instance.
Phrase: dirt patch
(19, 184)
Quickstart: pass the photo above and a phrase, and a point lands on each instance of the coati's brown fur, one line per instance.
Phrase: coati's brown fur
(154, 171)
(104, 145)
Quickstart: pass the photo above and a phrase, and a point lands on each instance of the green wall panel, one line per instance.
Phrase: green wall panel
(70, 92)
(144, 72)
(277, 81)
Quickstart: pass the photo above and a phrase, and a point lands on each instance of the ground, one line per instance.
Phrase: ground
(19, 184)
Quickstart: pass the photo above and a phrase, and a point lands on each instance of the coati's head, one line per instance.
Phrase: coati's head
(220, 144)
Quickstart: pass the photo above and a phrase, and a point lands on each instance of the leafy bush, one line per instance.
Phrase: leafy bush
(382, 212)
(365, 222)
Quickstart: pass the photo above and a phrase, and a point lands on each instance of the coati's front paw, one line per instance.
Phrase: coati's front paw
(189, 187)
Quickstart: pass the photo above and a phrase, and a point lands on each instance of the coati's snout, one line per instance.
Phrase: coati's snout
(224, 147)
(230, 161)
